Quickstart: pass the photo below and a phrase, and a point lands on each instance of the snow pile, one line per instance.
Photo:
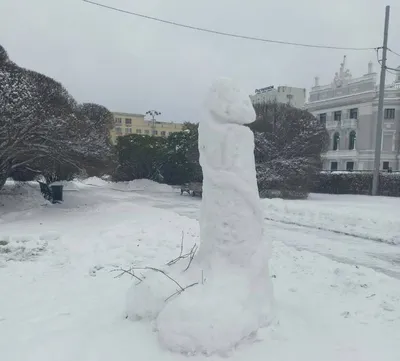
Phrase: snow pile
(142, 185)
(21, 248)
(17, 197)
(229, 274)
(94, 181)
(361, 216)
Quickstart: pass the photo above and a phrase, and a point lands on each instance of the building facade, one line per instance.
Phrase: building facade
(129, 123)
(283, 94)
(348, 107)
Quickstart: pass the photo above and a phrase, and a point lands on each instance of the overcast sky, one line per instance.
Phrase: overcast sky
(131, 64)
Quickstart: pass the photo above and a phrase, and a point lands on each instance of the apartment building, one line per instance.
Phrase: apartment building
(283, 94)
(130, 123)
(348, 107)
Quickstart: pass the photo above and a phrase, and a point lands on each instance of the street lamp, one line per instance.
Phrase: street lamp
(153, 114)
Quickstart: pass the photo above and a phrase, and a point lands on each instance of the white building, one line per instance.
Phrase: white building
(348, 107)
(283, 94)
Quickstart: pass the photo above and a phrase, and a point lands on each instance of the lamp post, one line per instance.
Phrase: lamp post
(153, 114)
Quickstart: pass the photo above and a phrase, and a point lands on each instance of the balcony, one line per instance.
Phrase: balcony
(339, 154)
(332, 124)
(349, 123)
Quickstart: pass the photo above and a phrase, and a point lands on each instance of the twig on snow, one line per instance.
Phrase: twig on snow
(183, 256)
(178, 292)
(192, 254)
(129, 272)
(183, 235)
(160, 271)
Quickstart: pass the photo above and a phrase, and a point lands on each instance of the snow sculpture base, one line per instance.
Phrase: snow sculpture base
(234, 299)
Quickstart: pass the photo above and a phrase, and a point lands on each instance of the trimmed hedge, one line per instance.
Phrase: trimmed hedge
(285, 194)
(357, 183)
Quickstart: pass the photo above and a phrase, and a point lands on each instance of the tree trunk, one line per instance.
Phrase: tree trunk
(5, 169)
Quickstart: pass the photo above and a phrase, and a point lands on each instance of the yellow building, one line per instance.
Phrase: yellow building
(127, 123)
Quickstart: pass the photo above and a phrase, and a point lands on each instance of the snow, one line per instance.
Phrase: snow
(334, 301)
(360, 216)
(16, 198)
(135, 185)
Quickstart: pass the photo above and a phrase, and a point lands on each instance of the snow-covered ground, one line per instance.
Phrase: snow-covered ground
(372, 218)
(335, 271)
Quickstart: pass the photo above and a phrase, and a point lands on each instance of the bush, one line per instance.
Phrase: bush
(357, 183)
(285, 194)
(139, 156)
(288, 146)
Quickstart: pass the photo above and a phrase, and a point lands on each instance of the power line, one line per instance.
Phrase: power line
(392, 51)
(391, 72)
(216, 32)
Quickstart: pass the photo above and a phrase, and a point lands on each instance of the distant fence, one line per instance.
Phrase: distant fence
(357, 182)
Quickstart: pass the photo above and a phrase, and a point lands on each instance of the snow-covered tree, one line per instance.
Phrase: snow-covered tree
(288, 147)
(41, 125)
(32, 109)
(100, 118)
(96, 122)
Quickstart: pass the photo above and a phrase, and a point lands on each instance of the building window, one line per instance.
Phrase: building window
(352, 140)
(322, 118)
(354, 113)
(128, 130)
(385, 165)
(334, 166)
(128, 121)
(163, 133)
(138, 131)
(336, 140)
(350, 166)
(118, 130)
(337, 116)
(389, 113)
(146, 131)
(154, 132)
(387, 142)
(118, 120)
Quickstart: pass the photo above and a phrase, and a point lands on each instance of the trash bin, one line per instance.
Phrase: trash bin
(57, 193)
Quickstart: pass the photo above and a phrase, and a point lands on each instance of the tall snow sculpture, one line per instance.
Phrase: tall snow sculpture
(234, 298)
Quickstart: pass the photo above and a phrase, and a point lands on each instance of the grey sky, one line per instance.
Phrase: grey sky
(133, 65)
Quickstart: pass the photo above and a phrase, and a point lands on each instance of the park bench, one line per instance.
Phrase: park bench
(192, 188)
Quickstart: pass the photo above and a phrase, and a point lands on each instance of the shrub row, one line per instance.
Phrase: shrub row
(357, 183)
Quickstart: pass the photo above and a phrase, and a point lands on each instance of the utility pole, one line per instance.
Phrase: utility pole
(153, 114)
(378, 139)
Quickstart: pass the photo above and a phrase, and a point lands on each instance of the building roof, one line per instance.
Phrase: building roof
(129, 114)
